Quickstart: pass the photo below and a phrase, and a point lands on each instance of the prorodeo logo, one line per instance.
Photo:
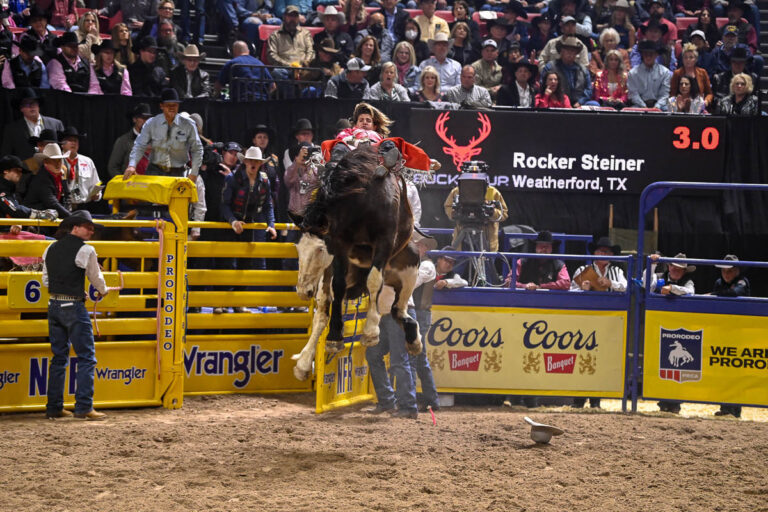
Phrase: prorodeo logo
(7, 377)
(225, 362)
(442, 331)
(464, 360)
(680, 355)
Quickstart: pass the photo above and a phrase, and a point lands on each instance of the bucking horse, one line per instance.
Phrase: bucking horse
(356, 238)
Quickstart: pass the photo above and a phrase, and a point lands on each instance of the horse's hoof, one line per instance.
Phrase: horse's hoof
(300, 374)
(333, 347)
(413, 348)
(369, 340)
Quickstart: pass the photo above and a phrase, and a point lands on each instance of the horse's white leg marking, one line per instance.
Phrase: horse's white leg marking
(371, 329)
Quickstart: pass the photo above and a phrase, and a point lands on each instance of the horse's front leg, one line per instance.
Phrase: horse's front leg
(323, 302)
(374, 283)
(334, 342)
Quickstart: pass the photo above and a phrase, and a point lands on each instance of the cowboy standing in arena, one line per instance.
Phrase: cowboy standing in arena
(66, 262)
(173, 139)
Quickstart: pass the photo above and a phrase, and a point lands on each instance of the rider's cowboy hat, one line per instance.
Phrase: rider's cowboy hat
(253, 153)
(542, 433)
(677, 264)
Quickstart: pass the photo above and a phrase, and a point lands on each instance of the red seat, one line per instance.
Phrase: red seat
(446, 15)
(721, 22)
(683, 23)
(114, 20)
(640, 109)
(414, 12)
(371, 10)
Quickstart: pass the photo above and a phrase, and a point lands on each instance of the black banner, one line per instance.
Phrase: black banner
(573, 152)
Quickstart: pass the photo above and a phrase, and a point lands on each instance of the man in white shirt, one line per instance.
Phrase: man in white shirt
(448, 69)
(81, 175)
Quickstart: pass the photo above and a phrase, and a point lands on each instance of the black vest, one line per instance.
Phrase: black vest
(422, 296)
(77, 78)
(64, 277)
(539, 272)
(110, 84)
(21, 79)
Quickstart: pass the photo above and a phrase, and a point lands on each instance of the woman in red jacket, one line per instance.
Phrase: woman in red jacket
(610, 87)
(553, 96)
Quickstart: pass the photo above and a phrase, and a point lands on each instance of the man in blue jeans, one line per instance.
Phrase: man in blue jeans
(66, 262)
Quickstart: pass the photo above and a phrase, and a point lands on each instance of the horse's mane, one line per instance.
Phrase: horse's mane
(350, 176)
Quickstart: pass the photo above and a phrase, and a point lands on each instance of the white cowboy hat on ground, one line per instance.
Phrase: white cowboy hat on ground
(53, 152)
(542, 433)
(253, 153)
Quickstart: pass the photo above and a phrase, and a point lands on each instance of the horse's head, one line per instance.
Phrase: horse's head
(313, 260)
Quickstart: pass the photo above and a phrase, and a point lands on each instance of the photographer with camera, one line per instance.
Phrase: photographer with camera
(476, 204)
(301, 177)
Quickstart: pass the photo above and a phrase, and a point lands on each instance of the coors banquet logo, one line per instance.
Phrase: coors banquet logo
(539, 335)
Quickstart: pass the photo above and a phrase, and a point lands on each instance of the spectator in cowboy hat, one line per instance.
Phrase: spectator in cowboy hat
(302, 131)
(542, 30)
(448, 69)
(326, 64)
(498, 30)
(187, 78)
(731, 283)
(38, 21)
(174, 142)
(576, 82)
(653, 32)
(601, 275)
(648, 83)
(264, 138)
(737, 63)
(332, 22)
(515, 13)
(46, 137)
(445, 276)
(673, 281)
(147, 78)
(532, 273)
(81, 175)
(350, 84)
(745, 31)
(522, 91)
(121, 150)
(14, 175)
(17, 133)
(550, 53)
(660, 13)
(67, 71)
(27, 68)
(107, 75)
(48, 189)
(430, 24)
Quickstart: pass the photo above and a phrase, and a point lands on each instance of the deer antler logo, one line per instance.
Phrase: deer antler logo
(461, 154)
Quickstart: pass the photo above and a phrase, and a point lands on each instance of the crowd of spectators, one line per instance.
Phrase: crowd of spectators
(567, 53)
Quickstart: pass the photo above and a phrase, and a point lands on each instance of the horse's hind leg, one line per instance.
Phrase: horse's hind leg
(403, 291)
(334, 342)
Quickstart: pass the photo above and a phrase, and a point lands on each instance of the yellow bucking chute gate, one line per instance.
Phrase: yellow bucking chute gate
(153, 343)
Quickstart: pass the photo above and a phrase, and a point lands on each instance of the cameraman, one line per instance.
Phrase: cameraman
(494, 212)
(301, 178)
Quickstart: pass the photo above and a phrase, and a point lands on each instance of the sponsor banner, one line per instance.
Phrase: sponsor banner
(26, 291)
(605, 156)
(545, 351)
(705, 357)
(125, 373)
(241, 366)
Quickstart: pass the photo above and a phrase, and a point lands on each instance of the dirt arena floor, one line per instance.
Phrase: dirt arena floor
(273, 453)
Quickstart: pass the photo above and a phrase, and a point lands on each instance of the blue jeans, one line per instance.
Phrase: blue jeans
(68, 322)
(420, 363)
(199, 29)
(392, 340)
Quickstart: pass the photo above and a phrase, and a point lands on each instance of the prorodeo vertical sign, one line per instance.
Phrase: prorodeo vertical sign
(167, 300)
(516, 349)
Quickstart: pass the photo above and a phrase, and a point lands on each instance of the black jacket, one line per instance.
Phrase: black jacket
(343, 40)
(146, 80)
(10, 202)
(41, 194)
(16, 137)
(509, 97)
(201, 82)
